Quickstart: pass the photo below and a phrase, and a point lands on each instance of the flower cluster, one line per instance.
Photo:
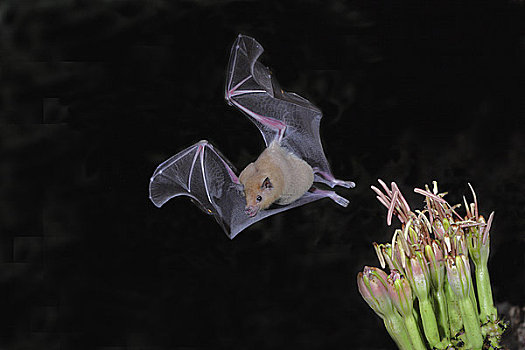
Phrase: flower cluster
(429, 299)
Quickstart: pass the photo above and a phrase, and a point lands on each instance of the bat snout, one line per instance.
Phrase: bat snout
(251, 210)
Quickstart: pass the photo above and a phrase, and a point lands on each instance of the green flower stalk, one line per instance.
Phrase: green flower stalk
(458, 272)
(434, 256)
(455, 321)
(428, 301)
(461, 249)
(401, 296)
(479, 247)
(419, 275)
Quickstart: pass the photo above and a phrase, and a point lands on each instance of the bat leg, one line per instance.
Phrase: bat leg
(331, 181)
(330, 194)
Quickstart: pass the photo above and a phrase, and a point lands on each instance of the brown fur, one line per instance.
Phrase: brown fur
(290, 178)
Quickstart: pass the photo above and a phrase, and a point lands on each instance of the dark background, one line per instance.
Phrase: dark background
(95, 94)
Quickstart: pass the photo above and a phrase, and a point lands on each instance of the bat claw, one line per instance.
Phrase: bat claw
(345, 184)
(340, 200)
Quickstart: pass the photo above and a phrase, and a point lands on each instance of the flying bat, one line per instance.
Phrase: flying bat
(283, 175)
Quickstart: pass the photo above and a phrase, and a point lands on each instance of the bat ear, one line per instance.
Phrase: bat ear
(267, 184)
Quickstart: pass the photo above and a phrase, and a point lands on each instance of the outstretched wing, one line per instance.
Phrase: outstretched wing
(202, 173)
(280, 116)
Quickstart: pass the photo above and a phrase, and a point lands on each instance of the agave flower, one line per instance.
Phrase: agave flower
(428, 300)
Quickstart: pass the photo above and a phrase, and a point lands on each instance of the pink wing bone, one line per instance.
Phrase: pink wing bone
(272, 123)
(170, 180)
(157, 194)
(233, 177)
(200, 153)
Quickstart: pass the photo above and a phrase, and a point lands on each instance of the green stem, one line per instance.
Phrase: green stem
(396, 328)
(471, 323)
(486, 304)
(454, 316)
(472, 297)
(428, 319)
(414, 333)
(442, 313)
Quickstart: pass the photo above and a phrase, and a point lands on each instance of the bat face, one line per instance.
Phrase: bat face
(259, 190)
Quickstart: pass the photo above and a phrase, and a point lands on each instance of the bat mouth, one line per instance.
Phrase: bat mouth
(251, 210)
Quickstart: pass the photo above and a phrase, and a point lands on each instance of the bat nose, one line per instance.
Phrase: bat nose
(251, 210)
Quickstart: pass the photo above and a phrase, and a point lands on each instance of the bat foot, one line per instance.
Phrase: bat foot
(345, 184)
(340, 200)
(332, 195)
(330, 180)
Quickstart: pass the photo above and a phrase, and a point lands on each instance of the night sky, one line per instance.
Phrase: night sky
(95, 94)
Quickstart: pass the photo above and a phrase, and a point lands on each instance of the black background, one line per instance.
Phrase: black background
(95, 94)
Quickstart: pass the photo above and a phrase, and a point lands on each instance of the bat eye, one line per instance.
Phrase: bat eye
(258, 199)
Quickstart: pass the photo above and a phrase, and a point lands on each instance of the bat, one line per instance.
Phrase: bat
(283, 175)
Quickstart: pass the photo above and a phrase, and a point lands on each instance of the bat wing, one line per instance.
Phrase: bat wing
(279, 115)
(203, 174)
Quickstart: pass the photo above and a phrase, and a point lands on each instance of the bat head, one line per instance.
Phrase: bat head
(260, 189)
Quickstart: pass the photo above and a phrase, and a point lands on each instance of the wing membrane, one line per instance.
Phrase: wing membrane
(203, 174)
(279, 115)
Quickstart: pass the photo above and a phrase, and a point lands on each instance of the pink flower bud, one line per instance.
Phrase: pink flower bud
(434, 257)
(372, 284)
(458, 273)
(419, 275)
(400, 293)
